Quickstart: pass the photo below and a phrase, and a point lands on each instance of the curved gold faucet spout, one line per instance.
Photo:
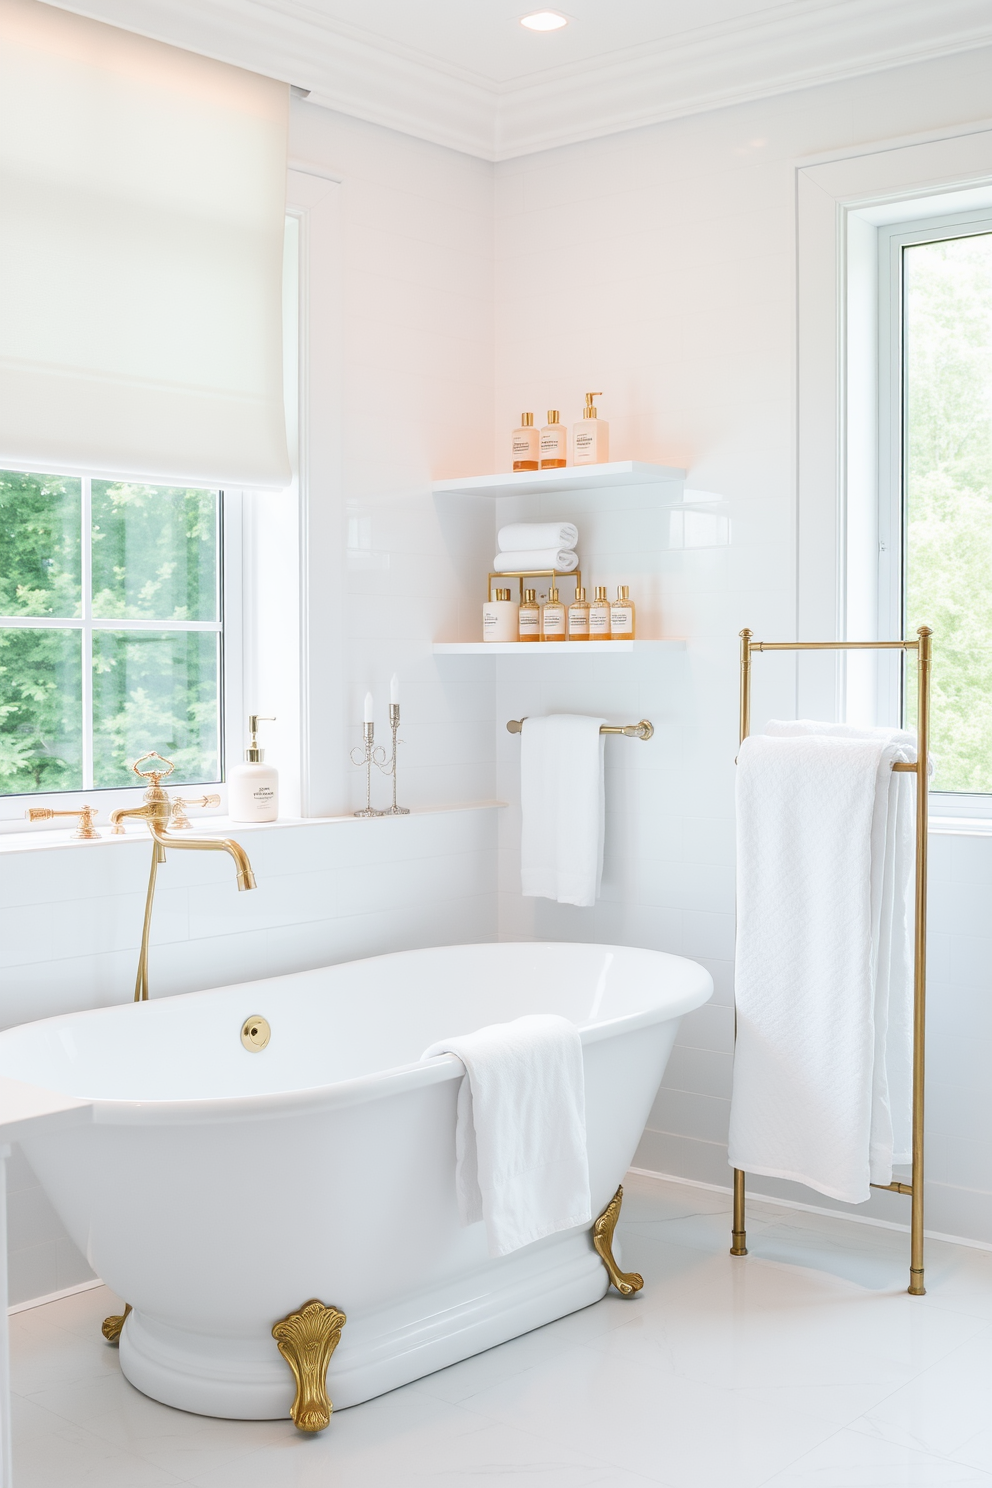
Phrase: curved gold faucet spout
(246, 878)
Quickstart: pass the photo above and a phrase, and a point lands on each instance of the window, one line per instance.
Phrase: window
(111, 640)
(936, 523)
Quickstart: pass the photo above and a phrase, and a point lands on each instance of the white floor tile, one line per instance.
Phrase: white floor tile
(804, 1365)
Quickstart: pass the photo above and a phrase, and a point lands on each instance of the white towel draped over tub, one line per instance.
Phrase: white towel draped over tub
(825, 853)
(563, 808)
(520, 1133)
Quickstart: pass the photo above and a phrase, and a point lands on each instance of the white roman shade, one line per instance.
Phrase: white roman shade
(142, 207)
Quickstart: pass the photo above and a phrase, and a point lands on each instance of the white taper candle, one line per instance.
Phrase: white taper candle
(369, 708)
(394, 688)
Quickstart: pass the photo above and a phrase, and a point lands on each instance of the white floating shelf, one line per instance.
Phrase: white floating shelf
(550, 648)
(573, 478)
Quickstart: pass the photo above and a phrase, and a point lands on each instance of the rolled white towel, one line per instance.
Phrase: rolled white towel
(523, 537)
(560, 558)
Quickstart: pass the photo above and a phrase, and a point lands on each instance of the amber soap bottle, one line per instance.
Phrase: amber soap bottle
(526, 444)
(599, 616)
(553, 618)
(622, 616)
(554, 443)
(578, 616)
(529, 619)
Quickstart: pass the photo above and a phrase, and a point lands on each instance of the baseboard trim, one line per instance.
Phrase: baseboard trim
(862, 1219)
(81, 1286)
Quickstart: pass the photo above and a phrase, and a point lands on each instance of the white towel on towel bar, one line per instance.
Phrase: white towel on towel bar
(822, 1072)
(562, 559)
(520, 1130)
(563, 808)
(517, 537)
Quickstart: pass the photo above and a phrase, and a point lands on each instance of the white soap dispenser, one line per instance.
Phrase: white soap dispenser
(253, 788)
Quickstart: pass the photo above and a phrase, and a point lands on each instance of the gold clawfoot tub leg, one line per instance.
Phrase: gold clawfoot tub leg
(626, 1282)
(112, 1326)
(306, 1340)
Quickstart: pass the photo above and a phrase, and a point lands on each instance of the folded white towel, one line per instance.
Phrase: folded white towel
(520, 1133)
(521, 536)
(562, 801)
(528, 559)
(822, 1083)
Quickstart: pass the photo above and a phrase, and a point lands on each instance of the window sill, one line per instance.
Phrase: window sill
(213, 826)
(961, 826)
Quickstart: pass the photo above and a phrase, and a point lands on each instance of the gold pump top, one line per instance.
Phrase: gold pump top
(552, 415)
(552, 595)
(600, 591)
(526, 421)
(253, 754)
(623, 593)
(590, 410)
(580, 594)
(530, 596)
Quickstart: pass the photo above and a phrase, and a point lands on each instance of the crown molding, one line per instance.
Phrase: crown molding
(792, 46)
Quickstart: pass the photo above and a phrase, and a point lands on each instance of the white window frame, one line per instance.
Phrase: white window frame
(892, 553)
(843, 199)
(229, 626)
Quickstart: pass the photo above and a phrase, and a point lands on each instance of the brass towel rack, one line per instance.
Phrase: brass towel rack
(923, 646)
(643, 730)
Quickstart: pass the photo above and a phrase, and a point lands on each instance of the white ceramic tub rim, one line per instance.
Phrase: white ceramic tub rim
(376, 1085)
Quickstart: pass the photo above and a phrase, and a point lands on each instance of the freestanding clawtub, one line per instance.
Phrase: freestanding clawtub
(226, 1179)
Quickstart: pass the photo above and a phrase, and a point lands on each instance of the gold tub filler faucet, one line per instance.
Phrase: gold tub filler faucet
(157, 811)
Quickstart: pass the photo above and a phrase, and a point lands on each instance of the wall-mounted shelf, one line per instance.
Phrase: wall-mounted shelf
(551, 648)
(573, 478)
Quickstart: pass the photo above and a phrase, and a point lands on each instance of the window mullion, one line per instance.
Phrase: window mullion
(86, 610)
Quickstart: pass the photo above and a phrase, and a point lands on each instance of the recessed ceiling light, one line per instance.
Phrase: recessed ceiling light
(544, 20)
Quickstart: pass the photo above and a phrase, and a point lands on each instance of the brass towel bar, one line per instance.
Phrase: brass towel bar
(643, 730)
(923, 646)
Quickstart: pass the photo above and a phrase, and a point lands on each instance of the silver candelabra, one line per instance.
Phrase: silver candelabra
(368, 755)
(390, 768)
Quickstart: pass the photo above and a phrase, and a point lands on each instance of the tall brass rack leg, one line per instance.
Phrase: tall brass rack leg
(738, 1235)
(924, 657)
(626, 1282)
(306, 1340)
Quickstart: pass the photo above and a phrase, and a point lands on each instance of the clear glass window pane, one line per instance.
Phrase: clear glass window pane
(41, 726)
(39, 545)
(155, 552)
(156, 690)
(948, 493)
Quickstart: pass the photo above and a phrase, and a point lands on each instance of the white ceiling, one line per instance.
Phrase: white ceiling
(465, 74)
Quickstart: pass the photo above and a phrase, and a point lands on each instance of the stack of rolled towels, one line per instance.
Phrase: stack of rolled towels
(524, 546)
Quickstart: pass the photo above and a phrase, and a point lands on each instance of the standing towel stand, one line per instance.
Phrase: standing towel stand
(923, 646)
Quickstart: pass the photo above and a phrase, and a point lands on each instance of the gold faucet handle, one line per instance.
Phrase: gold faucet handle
(85, 813)
(179, 803)
(153, 775)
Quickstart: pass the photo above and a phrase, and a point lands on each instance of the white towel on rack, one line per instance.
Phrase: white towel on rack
(519, 536)
(520, 1133)
(823, 1066)
(527, 559)
(563, 808)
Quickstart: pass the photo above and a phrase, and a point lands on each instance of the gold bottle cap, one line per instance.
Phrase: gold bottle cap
(623, 593)
(600, 591)
(502, 594)
(553, 595)
(580, 593)
(530, 595)
(526, 420)
(552, 415)
(590, 410)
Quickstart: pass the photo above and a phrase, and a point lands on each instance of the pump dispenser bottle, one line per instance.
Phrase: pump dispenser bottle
(253, 788)
(590, 436)
(526, 444)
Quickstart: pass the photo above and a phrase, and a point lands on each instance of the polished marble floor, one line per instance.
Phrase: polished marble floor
(804, 1366)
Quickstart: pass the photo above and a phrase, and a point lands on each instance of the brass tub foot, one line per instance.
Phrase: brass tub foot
(306, 1340)
(626, 1282)
(111, 1328)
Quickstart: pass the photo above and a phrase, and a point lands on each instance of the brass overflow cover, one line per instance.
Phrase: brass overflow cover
(255, 1033)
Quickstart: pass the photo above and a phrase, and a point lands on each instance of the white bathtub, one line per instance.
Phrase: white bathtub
(219, 1189)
